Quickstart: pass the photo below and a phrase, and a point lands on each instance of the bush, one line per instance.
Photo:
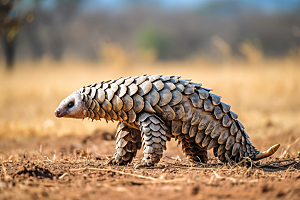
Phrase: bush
(154, 40)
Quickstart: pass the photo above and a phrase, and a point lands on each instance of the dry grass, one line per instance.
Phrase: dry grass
(265, 95)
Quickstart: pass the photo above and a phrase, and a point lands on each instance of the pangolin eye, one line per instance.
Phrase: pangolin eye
(71, 104)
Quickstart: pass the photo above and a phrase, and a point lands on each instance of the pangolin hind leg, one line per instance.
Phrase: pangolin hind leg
(128, 142)
(193, 151)
(154, 139)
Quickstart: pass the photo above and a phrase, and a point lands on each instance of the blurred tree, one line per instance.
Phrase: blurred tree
(12, 16)
(14, 13)
(63, 11)
(9, 26)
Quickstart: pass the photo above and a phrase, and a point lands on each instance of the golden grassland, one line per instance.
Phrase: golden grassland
(265, 95)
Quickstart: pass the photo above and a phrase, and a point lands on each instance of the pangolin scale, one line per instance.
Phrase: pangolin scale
(152, 109)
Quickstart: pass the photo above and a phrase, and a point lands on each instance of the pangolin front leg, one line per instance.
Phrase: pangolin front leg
(154, 139)
(128, 142)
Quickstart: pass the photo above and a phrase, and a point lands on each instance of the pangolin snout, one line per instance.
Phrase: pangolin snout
(58, 113)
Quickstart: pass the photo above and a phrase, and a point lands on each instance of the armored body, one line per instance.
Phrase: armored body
(152, 109)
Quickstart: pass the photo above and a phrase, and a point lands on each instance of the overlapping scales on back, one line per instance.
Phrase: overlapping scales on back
(122, 99)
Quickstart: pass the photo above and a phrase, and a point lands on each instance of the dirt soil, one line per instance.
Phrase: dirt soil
(74, 168)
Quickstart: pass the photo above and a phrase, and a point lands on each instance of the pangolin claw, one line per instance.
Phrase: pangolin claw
(110, 161)
(143, 163)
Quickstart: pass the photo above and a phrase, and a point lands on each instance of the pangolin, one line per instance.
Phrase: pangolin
(152, 109)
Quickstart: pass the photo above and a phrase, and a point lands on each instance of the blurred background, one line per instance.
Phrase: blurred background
(247, 50)
(133, 30)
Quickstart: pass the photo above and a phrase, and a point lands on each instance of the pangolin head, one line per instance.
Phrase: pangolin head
(72, 107)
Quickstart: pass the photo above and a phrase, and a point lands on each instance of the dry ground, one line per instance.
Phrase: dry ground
(47, 158)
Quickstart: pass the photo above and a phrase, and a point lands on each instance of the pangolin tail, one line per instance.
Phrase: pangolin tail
(267, 153)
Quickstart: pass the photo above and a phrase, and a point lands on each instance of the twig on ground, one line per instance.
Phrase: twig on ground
(3, 154)
(287, 171)
(176, 159)
(278, 161)
(112, 170)
(153, 180)
(224, 178)
(286, 151)
(244, 160)
(48, 159)
(62, 176)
